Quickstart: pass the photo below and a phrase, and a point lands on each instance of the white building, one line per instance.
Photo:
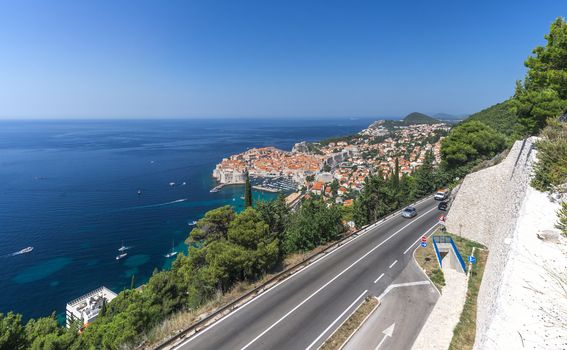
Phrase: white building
(87, 307)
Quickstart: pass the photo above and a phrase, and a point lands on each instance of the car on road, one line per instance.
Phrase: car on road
(409, 212)
(443, 205)
(441, 194)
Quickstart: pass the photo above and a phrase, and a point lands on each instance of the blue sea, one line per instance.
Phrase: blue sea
(69, 188)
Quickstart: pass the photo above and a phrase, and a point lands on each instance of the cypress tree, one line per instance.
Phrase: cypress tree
(247, 192)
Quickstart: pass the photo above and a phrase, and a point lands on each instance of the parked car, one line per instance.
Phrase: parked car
(409, 212)
(441, 194)
(443, 205)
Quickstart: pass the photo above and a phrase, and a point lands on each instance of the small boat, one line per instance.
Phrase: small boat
(192, 223)
(123, 247)
(184, 183)
(23, 251)
(172, 253)
(172, 184)
(139, 192)
(120, 256)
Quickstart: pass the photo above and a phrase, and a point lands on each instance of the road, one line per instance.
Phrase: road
(404, 308)
(303, 310)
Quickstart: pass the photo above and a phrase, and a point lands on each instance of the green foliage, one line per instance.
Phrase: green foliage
(247, 192)
(313, 224)
(562, 219)
(437, 277)
(419, 118)
(12, 334)
(470, 142)
(499, 117)
(213, 226)
(425, 177)
(550, 170)
(543, 94)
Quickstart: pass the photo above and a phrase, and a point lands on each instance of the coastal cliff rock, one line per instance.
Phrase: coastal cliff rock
(486, 209)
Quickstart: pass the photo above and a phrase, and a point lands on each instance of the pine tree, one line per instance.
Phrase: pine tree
(247, 192)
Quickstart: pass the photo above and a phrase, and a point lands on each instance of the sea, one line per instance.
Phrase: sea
(76, 190)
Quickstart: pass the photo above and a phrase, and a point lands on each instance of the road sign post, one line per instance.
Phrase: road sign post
(424, 244)
(472, 259)
(423, 239)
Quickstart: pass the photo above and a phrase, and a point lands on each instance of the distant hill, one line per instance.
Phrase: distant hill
(499, 117)
(419, 118)
(449, 117)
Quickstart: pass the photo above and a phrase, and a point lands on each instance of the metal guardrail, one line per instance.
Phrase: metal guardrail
(233, 305)
(437, 252)
(463, 265)
(449, 240)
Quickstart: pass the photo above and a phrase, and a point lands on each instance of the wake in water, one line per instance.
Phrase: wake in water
(20, 252)
(158, 205)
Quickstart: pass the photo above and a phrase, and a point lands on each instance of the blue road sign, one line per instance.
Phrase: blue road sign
(472, 259)
(424, 244)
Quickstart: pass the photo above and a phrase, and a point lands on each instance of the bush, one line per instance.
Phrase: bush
(562, 219)
(551, 168)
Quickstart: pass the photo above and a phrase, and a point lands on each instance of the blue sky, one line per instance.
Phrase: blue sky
(263, 58)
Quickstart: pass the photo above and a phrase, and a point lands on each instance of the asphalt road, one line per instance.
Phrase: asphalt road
(302, 311)
(404, 309)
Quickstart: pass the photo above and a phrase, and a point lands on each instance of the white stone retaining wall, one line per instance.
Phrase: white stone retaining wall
(486, 210)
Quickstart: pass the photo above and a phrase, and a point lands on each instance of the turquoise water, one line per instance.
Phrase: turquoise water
(69, 189)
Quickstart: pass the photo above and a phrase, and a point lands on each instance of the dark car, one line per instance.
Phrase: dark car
(443, 205)
(409, 212)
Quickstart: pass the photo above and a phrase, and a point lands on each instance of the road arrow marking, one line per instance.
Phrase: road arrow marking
(387, 333)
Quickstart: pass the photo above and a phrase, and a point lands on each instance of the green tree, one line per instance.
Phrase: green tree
(543, 94)
(213, 226)
(247, 192)
(313, 224)
(550, 171)
(469, 142)
(12, 333)
(425, 178)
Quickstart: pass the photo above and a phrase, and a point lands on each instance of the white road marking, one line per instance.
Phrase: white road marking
(378, 279)
(388, 332)
(394, 263)
(331, 281)
(409, 284)
(417, 240)
(368, 229)
(336, 320)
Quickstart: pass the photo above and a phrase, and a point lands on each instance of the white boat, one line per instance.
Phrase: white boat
(139, 192)
(184, 183)
(172, 253)
(23, 251)
(120, 256)
(172, 184)
(193, 223)
(123, 247)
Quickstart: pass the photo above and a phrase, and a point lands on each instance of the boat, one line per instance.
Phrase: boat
(123, 247)
(193, 223)
(23, 251)
(139, 192)
(120, 256)
(172, 253)
(184, 183)
(172, 184)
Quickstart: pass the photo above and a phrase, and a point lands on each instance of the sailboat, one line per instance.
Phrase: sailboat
(172, 253)
(120, 256)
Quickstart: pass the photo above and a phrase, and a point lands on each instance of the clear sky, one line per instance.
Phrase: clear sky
(263, 58)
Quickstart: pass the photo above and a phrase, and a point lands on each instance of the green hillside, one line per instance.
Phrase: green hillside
(499, 117)
(419, 118)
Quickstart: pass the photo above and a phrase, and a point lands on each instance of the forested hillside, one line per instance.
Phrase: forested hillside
(499, 117)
